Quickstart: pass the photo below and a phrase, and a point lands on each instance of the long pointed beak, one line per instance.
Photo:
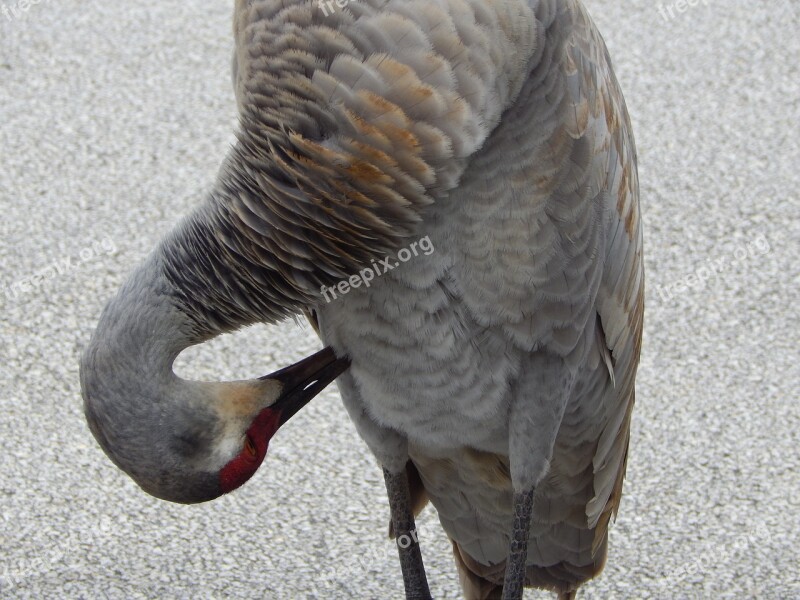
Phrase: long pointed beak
(304, 380)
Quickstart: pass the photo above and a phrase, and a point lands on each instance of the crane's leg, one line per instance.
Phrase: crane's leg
(537, 407)
(402, 514)
(514, 581)
(391, 450)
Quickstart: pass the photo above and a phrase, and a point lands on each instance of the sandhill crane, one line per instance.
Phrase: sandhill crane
(492, 375)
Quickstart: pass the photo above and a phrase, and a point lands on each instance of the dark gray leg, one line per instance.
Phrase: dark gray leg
(414, 579)
(514, 582)
(540, 398)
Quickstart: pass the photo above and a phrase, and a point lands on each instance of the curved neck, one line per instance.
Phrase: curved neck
(273, 232)
(212, 280)
(198, 282)
(148, 420)
(142, 329)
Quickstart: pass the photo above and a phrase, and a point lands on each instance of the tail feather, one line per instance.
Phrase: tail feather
(473, 585)
(482, 582)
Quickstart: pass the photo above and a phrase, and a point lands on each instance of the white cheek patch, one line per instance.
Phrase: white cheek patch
(236, 404)
(228, 444)
(238, 399)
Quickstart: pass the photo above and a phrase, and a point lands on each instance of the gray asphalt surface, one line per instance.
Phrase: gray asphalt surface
(113, 120)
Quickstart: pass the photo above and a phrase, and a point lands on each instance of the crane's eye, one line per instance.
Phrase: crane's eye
(250, 447)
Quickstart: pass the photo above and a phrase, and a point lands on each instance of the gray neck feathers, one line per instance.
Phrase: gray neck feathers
(129, 389)
(263, 243)
(141, 329)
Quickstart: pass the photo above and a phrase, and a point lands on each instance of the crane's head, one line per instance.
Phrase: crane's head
(198, 440)
(184, 441)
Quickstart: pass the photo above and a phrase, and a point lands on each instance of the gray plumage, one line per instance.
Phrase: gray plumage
(502, 361)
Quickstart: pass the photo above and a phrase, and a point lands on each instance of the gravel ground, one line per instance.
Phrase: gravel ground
(113, 120)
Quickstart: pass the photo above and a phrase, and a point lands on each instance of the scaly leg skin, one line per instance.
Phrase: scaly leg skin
(414, 579)
(514, 581)
(537, 408)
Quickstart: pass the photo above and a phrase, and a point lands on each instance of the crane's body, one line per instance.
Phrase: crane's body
(499, 366)
(444, 344)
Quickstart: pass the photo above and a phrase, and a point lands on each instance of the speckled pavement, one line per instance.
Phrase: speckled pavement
(113, 120)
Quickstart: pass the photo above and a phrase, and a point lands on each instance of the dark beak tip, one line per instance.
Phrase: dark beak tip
(300, 371)
(305, 379)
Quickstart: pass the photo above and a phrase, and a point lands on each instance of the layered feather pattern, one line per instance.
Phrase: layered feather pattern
(497, 129)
